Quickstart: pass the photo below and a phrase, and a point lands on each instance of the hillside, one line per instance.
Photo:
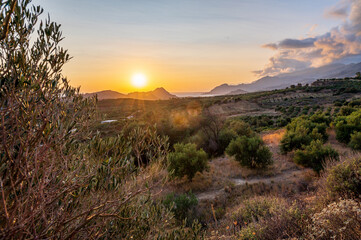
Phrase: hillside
(157, 94)
(107, 94)
(284, 80)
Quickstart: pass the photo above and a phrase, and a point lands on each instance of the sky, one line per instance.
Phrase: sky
(195, 45)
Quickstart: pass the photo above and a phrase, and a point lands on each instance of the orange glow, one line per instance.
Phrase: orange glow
(193, 74)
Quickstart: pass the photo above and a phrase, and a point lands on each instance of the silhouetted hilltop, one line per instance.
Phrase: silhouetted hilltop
(157, 94)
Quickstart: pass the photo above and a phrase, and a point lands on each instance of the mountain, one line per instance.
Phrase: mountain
(107, 94)
(157, 94)
(223, 89)
(305, 76)
(237, 92)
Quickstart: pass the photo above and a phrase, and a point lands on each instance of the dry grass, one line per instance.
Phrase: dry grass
(273, 138)
(221, 170)
(342, 149)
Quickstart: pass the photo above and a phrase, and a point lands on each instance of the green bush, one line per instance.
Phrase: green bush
(346, 110)
(355, 142)
(320, 117)
(267, 217)
(250, 152)
(224, 139)
(186, 160)
(258, 208)
(241, 128)
(182, 205)
(344, 131)
(347, 125)
(344, 179)
(302, 130)
(315, 155)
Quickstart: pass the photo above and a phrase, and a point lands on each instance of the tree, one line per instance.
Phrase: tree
(56, 180)
(358, 75)
(302, 130)
(211, 126)
(347, 125)
(182, 206)
(355, 142)
(186, 160)
(250, 152)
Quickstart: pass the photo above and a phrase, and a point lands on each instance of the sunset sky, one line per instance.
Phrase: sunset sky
(195, 45)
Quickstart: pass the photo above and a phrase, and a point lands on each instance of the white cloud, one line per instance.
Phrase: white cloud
(340, 42)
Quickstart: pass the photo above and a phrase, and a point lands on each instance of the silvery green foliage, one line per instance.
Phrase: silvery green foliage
(339, 220)
(56, 181)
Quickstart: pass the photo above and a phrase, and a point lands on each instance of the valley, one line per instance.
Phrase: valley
(226, 183)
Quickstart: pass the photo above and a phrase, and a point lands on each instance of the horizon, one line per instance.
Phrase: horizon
(183, 49)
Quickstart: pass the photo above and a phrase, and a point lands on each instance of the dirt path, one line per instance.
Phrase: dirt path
(284, 176)
(283, 169)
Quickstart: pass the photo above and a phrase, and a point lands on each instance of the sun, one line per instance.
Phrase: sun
(139, 80)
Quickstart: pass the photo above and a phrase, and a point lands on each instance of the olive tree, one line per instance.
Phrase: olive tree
(186, 160)
(250, 152)
(56, 181)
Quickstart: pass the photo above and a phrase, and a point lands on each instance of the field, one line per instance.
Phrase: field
(221, 188)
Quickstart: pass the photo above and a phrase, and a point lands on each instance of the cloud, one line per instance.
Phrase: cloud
(341, 42)
(272, 46)
(340, 11)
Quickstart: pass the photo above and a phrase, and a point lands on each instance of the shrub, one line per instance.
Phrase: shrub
(267, 217)
(250, 152)
(241, 128)
(344, 179)
(186, 160)
(355, 142)
(346, 110)
(294, 140)
(315, 155)
(320, 117)
(344, 131)
(258, 208)
(182, 205)
(339, 220)
(347, 125)
(302, 130)
(224, 139)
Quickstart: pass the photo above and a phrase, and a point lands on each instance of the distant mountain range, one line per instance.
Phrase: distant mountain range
(157, 94)
(284, 80)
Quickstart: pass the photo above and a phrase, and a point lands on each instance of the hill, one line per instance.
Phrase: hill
(224, 89)
(157, 94)
(107, 94)
(284, 80)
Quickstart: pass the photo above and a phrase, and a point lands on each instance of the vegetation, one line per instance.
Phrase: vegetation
(183, 206)
(65, 175)
(267, 217)
(344, 180)
(302, 130)
(186, 160)
(250, 152)
(59, 180)
(355, 142)
(315, 155)
(339, 220)
(348, 123)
